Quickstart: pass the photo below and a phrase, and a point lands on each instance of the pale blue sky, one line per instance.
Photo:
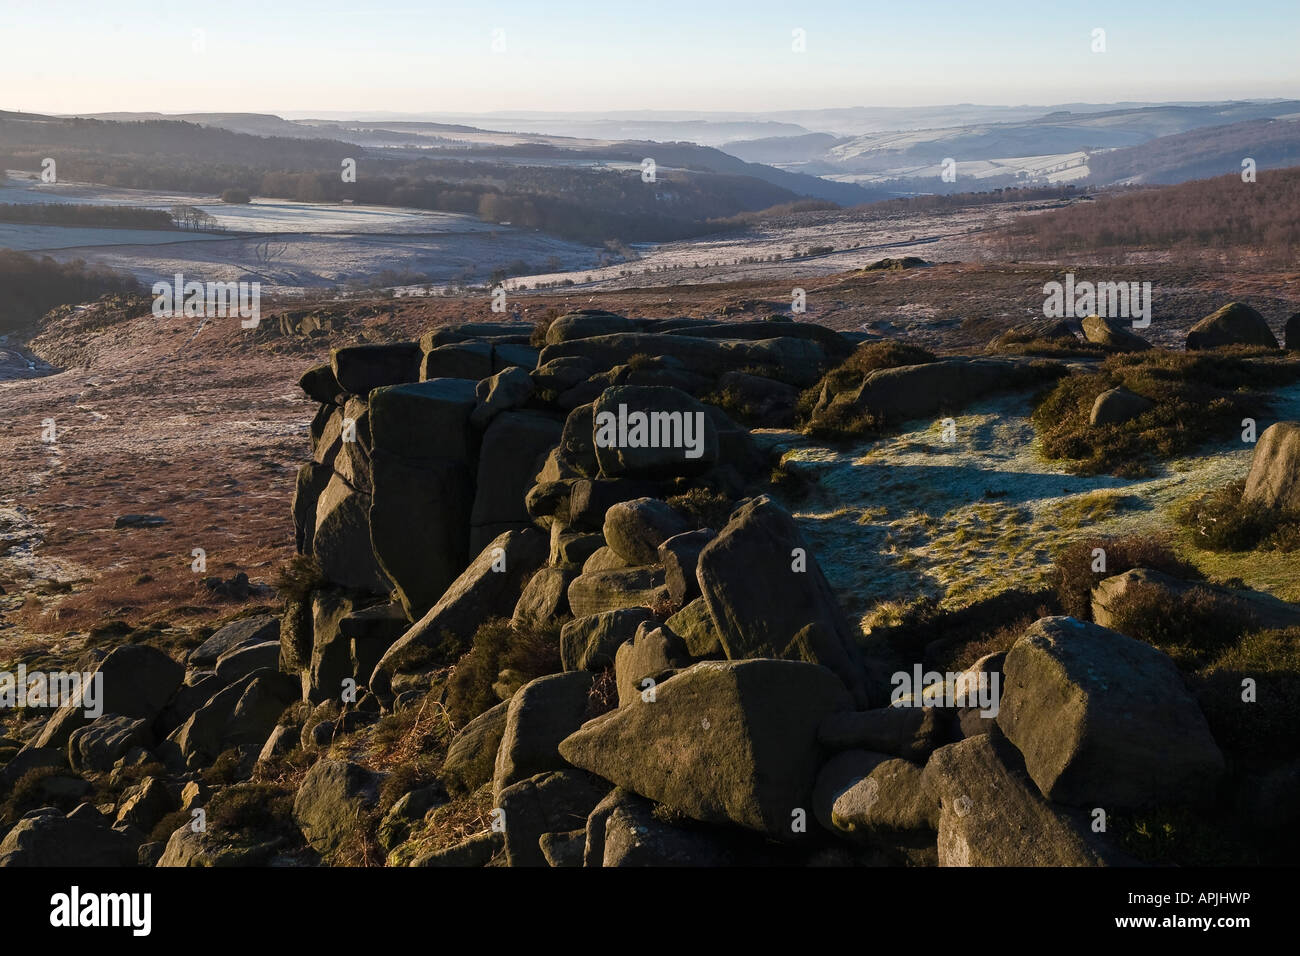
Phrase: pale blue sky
(399, 55)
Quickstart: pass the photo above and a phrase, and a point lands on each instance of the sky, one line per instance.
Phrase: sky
(70, 56)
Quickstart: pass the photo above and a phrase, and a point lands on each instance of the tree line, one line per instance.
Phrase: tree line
(32, 285)
(78, 214)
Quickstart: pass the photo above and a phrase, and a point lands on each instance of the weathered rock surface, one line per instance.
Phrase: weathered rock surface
(1274, 478)
(723, 742)
(769, 597)
(1104, 720)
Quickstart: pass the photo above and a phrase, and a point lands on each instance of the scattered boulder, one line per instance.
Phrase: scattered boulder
(1118, 405)
(619, 588)
(556, 801)
(897, 395)
(624, 831)
(680, 556)
(653, 654)
(501, 392)
(909, 732)
(1293, 332)
(695, 626)
(47, 837)
(330, 801)
(478, 850)
(1264, 609)
(863, 794)
(545, 598)
(1234, 324)
(241, 715)
(239, 633)
(134, 680)
(241, 661)
(635, 529)
(1111, 334)
(102, 742)
(591, 499)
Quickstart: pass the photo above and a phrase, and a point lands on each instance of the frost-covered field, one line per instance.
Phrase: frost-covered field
(25, 238)
(857, 241)
(290, 246)
(1055, 168)
(261, 215)
(298, 262)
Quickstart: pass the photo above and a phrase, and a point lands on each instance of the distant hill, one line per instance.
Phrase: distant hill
(1201, 153)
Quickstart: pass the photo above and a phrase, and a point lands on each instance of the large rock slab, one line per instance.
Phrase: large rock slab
(541, 714)
(425, 420)
(471, 758)
(134, 680)
(240, 716)
(861, 794)
(1104, 720)
(601, 591)
(489, 586)
(360, 368)
(83, 838)
(244, 631)
(1274, 478)
(584, 324)
(514, 446)
(909, 732)
(467, 360)
(769, 597)
(590, 643)
(897, 395)
(551, 802)
(341, 542)
(723, 741)
(420, 526)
